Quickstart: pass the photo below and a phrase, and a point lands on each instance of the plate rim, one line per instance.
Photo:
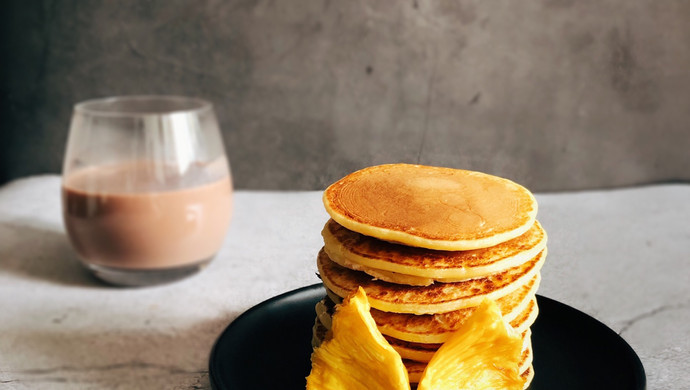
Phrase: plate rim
(639, 371)
(212, 373)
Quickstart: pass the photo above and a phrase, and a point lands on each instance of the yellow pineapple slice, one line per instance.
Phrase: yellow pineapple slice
(483, 354)
(357, 356)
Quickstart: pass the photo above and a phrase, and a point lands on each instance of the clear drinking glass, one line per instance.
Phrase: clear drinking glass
(146, 187)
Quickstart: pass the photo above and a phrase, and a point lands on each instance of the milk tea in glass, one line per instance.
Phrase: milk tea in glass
(146, 188)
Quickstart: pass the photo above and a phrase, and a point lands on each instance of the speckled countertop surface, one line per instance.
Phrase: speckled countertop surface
(619, 255)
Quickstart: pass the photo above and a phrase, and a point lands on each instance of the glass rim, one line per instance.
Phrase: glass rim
(178, 104)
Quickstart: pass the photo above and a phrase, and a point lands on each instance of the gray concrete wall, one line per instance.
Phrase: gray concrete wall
(555, 94)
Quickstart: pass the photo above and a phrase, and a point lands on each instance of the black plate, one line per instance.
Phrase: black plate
(268, 347)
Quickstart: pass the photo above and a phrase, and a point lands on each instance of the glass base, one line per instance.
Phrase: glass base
(144, 277)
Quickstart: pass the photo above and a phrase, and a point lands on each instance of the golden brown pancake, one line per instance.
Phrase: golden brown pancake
(527, 316)
(520, 323)
(324, 311)
(527, 353)
(402, 264)
(423, 352)
(416, 329)
(528, 375)
(415, 370)
(419, 352)
(431, 207)
(436, 298)
(319, 333)
(436, 328)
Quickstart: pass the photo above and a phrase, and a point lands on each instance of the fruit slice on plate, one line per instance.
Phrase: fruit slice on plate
(483, 354)
(357, 356)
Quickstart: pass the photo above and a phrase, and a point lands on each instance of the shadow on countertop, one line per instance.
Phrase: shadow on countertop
(30, 250)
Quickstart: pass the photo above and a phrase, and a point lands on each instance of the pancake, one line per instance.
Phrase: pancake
(324, 311)
(419, 266)
(436, 298)
(319, 333)
(527, 316)
(436, 328)
(520, 323)
(528, 375)
(423, 352)
(419, 352)
(527, 353)
(510, 305)
(521, 312)
(425, 342)
(415, 370)
(431, 207)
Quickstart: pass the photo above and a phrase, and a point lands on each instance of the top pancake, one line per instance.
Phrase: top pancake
(431, 207)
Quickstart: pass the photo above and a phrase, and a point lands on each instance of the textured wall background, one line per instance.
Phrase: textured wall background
(556, 94)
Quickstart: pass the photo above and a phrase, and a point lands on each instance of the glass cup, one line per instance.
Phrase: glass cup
(146, 187)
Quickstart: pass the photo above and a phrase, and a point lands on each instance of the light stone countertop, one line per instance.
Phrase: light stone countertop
(618, 255)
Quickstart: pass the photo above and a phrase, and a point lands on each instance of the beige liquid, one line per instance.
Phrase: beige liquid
(120, 216)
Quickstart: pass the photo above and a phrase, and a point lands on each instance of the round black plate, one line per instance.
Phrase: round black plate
(269, 346)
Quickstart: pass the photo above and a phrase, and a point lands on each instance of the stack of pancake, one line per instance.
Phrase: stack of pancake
(429, 244)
